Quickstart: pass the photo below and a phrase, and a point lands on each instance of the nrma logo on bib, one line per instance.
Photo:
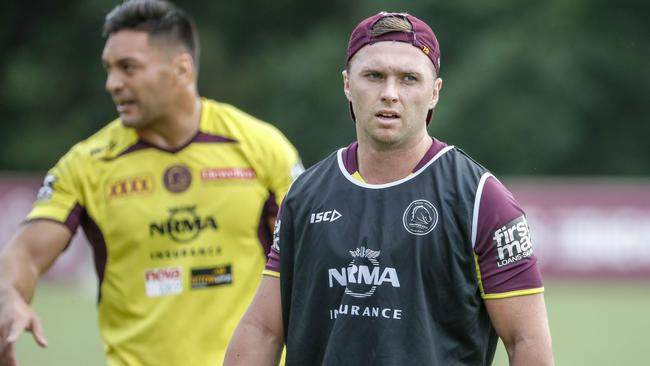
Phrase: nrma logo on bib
(512, 242)
(363, 275)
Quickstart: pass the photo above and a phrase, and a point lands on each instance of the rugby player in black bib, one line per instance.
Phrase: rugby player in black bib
(398, 249)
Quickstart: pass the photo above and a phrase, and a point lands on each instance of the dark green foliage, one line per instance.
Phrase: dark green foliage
(559, 87)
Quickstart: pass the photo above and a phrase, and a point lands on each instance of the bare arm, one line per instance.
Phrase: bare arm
(270, 222)
(27, 256)
(259, 337)
(522, 324)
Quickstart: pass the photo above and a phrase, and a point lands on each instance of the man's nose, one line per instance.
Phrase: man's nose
(113, 82)
(389, 92)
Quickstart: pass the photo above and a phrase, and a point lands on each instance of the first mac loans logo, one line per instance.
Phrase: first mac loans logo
(420, 217)
(512, 242)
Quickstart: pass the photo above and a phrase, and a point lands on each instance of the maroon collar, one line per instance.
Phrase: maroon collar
(351, 162)
(200, 137)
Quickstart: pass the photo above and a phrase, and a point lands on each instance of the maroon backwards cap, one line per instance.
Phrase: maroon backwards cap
(421, 37)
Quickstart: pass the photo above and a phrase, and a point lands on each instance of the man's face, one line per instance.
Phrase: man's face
(391, 86)
(139, 77)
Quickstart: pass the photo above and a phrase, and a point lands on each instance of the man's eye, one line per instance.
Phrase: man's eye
(410, 78)
(373, 75)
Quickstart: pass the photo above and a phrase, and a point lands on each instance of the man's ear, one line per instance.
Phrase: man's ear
(184, 67)
(346, 84)
(437, 87)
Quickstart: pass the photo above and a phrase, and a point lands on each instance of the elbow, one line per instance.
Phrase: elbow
(530, 351)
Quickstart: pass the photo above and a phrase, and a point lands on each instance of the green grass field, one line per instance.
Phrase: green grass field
(593, 323)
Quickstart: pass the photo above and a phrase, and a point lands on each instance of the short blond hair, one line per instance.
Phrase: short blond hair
(391, 24)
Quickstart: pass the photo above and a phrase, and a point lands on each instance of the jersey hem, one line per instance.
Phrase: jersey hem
(516, 293)
(270, 273)
(43, 218)
(50, 219)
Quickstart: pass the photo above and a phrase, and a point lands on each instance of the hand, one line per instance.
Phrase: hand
(16, 316)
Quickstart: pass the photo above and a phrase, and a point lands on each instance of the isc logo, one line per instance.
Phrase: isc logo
(327, 216)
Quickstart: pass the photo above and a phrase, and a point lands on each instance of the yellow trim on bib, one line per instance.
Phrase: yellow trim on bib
(268, 272)
(504, 295)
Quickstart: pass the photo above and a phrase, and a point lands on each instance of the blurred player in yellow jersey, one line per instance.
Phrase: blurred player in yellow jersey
(177, 197)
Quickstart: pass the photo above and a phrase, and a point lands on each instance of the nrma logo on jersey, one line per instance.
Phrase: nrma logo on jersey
(361, 279)
(183, 225)
(512, 242)
(362, 276)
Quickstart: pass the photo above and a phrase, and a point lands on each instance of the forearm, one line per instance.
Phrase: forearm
(30, 253)
(522, 324)
(258, 339)
(253, 345)
(18, 273)
(18, 280)
(530, 352)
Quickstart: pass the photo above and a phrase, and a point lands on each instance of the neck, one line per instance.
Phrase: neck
(178, 128)
(389, 165)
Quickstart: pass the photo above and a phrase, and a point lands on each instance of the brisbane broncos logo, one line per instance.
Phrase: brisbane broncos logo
(420, 217)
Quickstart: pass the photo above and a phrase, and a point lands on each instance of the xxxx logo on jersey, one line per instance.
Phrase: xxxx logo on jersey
(125, 187)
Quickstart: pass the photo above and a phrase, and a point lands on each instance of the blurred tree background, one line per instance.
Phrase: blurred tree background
(557, 87)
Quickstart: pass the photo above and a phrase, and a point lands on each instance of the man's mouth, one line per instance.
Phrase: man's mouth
(124, 105)
(387, 115)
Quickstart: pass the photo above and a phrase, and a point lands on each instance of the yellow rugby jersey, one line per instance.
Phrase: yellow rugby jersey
(179, 237)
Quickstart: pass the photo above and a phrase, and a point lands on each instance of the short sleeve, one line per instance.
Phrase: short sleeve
(282, 166)
(281, 234)
(60, 197)
(505, 263)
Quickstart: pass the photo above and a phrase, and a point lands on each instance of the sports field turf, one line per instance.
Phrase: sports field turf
(593, 323)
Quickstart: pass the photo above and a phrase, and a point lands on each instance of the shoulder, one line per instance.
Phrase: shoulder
(458, 171)
(107, 143)
(315, 179)
(274, 158)
(227, 120)
(463, 159)
(497, 201)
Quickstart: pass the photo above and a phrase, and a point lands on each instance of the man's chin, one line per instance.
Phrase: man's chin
(130, 121)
